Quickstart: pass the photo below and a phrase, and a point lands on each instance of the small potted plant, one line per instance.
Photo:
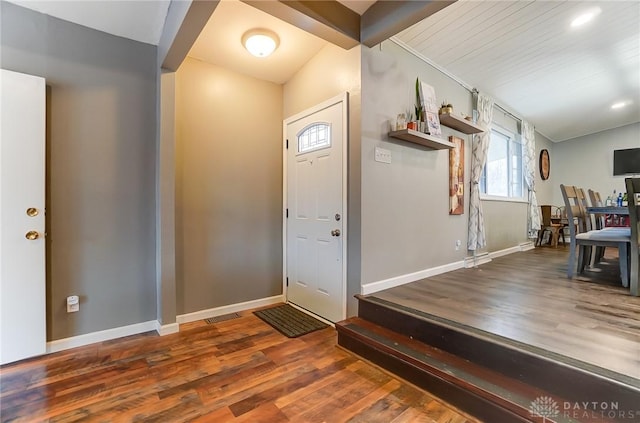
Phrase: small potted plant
(446, 108)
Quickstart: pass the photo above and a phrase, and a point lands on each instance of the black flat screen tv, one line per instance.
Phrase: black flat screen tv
(626, 161)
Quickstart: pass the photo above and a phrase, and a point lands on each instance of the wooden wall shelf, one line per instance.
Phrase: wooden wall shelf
(420, 138)
(459, 124)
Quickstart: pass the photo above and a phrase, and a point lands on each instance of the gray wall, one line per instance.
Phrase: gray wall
(545, 189)
(587, 161)
(406, 226)
(100, 176)
(228, 187)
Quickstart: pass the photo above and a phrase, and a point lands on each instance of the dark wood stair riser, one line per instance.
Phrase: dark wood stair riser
(447, 391)
(575, 385)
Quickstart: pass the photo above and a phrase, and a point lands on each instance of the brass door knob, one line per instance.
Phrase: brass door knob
(335, 232)
(31, 235)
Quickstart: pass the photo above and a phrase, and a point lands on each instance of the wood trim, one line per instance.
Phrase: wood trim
(194, 22)
(387, 18)
(328, 20)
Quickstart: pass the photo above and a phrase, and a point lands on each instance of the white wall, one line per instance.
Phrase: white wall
(587, 161)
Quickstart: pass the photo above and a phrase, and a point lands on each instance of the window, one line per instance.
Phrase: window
(314, 137)
(502, 175)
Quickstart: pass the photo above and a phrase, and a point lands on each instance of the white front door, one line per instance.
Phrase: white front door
(316, 207)
(22, 245)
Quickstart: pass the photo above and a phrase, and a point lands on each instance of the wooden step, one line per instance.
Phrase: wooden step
(485, 394)
(488, 376)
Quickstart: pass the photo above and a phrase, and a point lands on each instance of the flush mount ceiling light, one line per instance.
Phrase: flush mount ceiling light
(260, 42)
(585, 17)
(619, 105)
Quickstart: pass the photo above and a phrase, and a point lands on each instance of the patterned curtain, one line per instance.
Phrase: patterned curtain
(529, 149)
(478, 159)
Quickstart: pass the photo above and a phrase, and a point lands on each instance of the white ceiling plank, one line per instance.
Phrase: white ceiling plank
(526, 55)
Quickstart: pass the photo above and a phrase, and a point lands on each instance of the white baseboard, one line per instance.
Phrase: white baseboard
(101, 336)
(477, 260)
(372, 287)
(167, 329)
(120, 332)
(506, 251)
(526, 246)
(232, 308)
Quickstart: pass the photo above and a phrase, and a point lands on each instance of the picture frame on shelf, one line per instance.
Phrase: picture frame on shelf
(430, 107)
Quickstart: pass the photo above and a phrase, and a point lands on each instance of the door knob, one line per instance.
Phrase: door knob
(31, 235)
(335, 232)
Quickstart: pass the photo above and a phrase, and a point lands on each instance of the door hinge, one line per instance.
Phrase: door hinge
(287, 143)
(287, 282)
(287, 213)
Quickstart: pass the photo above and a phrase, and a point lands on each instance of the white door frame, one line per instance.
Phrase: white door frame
(344, 99)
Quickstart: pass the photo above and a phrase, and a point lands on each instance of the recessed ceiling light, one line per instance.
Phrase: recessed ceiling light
(586, 17)
(260, 42)
(619, 105)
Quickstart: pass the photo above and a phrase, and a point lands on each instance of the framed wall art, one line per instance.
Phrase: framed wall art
(456, 176)
(545, 165)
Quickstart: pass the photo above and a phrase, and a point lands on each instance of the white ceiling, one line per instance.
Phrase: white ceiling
(525, 54)
(521, 52)
(140, 20)
(220, 43)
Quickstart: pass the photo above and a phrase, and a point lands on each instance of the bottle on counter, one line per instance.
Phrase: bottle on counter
(619, 199)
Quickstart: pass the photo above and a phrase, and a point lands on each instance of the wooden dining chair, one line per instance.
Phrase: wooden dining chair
(633, 198)
(598, 221)
(582, 237)
(555, 229)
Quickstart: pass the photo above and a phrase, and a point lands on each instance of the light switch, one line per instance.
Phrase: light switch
(382, 155)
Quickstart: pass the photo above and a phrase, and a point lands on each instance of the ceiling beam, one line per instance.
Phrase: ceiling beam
(386, 18)
(328, 20)
(194, 22)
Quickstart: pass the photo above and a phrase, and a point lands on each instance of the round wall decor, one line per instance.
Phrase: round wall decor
(545, 164)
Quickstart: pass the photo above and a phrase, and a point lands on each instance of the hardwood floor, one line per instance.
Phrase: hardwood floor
(527, 297)
(239, 370)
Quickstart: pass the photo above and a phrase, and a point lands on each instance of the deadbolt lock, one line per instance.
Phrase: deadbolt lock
(32, 212)
(32, 235)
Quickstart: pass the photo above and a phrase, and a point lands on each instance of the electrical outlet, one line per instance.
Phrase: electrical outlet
(458, 244)
(73, 303)
(382, 155)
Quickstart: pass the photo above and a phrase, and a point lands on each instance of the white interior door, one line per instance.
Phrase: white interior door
(22, 245)
(316, 206)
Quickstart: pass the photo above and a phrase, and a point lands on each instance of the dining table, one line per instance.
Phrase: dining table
(620, 211)
(618, 215)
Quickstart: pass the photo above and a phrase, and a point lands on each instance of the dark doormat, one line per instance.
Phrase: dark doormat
(290, 321)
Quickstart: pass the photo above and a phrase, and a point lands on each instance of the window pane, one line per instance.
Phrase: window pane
(497, 169)
(516, 169)
(314, 137)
